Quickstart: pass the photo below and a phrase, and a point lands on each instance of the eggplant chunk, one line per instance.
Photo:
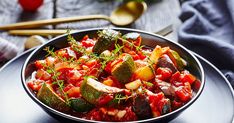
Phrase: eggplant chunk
(141, 107)
(166, 87)
(166, 107)
(165, 61)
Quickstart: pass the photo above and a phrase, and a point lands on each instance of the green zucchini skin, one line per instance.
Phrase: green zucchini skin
(92, 91)
(106, 40)
(80, 105)
(176, 59)
(50, 98)
(123, 72)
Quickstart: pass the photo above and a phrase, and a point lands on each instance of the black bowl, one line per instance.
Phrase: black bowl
(149, 39)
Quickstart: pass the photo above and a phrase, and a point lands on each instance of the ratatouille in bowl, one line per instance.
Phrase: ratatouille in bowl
(114, 75)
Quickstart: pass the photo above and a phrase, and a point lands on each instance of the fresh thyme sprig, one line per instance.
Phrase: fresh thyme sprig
(51, 52)
(131, 44)
(55, 80)
(140, 90)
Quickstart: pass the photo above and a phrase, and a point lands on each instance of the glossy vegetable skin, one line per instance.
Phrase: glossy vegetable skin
(112, 77)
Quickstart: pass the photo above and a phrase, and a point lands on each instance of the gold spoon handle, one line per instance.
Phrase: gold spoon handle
(42, 32)
(45, 32)
(39, 23)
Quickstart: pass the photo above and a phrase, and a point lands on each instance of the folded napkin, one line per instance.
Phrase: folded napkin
(208, 29)
(7, 50)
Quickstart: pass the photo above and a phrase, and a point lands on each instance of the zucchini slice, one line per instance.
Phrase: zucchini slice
(156, 54)
(80, 105)
(94, 91)
(106, 40)
(176, 59)
(123, 71)
(50, 98)
(145, 73)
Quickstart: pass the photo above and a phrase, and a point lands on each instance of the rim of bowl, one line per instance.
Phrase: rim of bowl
(23, 79)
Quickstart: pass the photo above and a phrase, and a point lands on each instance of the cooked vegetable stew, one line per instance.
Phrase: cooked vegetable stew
(112, 77)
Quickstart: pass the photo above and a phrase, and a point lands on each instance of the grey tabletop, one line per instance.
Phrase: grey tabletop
(159, 14)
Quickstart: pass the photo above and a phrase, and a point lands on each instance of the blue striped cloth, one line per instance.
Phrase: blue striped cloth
(208, 29)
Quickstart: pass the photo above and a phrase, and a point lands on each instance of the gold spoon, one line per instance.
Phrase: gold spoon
(122, 16)
(54, 32)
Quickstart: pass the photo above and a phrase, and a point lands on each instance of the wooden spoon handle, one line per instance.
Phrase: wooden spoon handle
(39, 23)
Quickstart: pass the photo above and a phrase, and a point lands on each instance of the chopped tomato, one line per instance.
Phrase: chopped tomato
(108, 67)
(196, 84)
(165, 72)
(154, 100)
(176, 104)
(68, 87)
(74, 92)
(91, 63)
(85, 38)
(184, 93)
(50, 61)
(61, 65)
(88, 43)
(39, 64)
(137, 42)
(42, 75)
(63, 53)
(73, 76)
(63, 72)
(105, 99)
(35, 85)
(93, 72)
(187, 77)
(175, 79)
(95, 114)
(134, 55)
(141, 55)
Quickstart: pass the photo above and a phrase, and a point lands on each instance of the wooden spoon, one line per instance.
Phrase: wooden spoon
(122, 16)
